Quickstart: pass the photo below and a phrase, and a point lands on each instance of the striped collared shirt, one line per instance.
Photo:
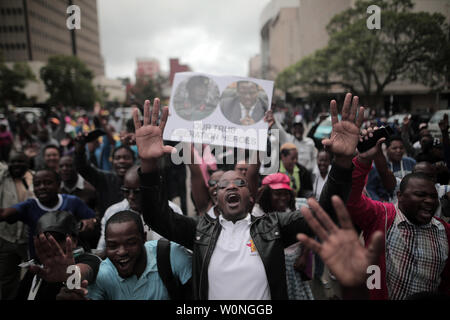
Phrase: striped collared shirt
(415, 256)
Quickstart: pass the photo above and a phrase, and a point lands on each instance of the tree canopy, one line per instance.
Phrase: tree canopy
(409, 45)
(69, 82)
(12, 81)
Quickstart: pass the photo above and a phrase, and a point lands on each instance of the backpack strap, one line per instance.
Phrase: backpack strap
(165, 269)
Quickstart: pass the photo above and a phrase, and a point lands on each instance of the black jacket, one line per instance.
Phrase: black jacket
(270, 233)
(107, 184)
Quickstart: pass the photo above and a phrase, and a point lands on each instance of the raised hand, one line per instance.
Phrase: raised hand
(54, 260)
(80, 142)
(373, 152)
(149, 135)
(340, 249)
(345, 133)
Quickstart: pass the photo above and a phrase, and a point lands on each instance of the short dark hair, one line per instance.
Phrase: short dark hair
(392, 139)
(414, 175)
(51, 146)
(125, 216)
(286, 152)
(53, 172)
(126, 148)
(196, 81)
(244, 82)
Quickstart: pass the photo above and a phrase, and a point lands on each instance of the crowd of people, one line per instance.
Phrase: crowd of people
(88, 189)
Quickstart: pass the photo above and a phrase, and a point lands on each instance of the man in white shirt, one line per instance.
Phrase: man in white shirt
(236, 256)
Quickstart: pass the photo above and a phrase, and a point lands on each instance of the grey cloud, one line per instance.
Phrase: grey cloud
(210, 35)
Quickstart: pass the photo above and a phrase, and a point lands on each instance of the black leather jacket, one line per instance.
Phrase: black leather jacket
(270, 233)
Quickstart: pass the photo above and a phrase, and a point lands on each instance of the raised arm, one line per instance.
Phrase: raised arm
(155, 209)
(199, 190)
(91, 174)
(342, 143)
(387, 178)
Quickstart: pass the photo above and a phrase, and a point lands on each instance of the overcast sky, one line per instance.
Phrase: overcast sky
(211, 36)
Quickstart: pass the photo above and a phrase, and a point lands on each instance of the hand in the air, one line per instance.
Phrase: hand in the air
(345, 133)
(54, 260)
(149, 135)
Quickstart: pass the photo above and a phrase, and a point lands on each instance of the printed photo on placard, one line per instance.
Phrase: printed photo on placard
(219, 110)
(196, 98)
(244, 103)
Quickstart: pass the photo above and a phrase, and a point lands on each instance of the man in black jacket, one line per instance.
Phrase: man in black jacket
(236, 256)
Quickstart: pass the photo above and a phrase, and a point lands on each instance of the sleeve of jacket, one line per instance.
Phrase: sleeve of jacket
(339, 182)
(306, 184)
(94, 176)
(363, 211)
(158, 214)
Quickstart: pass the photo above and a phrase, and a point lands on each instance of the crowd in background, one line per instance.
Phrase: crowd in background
(77, 187)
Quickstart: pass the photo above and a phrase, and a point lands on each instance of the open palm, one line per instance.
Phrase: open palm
(340, 250)
(345, 133)
(54, 260)
(149, 138)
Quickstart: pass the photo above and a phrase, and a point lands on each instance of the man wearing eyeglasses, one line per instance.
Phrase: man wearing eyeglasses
(132, 202)
(237, 255)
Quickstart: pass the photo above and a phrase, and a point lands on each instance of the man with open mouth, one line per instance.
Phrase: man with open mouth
(131, 270)
(236, 256)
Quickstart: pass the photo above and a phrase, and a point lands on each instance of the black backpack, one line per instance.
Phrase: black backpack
(172, 284)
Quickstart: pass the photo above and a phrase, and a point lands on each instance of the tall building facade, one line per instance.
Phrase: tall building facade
(293, 29)
(175, 66)
(34, 30)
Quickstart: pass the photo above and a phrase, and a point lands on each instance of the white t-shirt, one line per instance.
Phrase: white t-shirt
(124, 205)
(236, 271)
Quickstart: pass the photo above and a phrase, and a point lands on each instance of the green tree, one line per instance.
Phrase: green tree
(12, 82)
(69, 82)
(411, 46)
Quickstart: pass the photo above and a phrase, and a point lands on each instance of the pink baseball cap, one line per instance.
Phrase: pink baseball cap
(277, 181)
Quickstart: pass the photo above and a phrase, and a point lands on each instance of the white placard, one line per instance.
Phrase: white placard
(219, 110)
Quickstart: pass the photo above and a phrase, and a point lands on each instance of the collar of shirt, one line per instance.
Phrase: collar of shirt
(55, 208)
(226, 223)
(211, 212)
(78, 185)
(244, 110)
(401, 219)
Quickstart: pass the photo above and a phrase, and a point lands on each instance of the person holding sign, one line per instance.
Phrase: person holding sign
(246, 108)
(236, 255)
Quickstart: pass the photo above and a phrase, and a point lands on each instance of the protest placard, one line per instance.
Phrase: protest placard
(219, 110)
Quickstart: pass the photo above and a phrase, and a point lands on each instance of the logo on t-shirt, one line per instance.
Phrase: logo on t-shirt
(251, 245)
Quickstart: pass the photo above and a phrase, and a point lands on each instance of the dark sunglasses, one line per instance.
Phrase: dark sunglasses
(212, 183)
(127, 191)
(237, 182)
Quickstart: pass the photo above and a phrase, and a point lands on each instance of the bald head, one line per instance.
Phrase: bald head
(426, 168)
